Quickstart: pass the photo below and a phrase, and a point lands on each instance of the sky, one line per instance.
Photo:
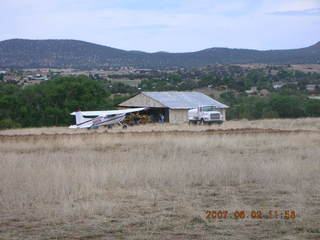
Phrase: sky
(166, 25)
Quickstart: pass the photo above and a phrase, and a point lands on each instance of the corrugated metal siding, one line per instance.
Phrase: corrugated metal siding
(183, 100)
(178, 115)
(181, 115)
(141, 100)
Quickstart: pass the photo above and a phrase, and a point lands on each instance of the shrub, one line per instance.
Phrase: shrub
(8, 124)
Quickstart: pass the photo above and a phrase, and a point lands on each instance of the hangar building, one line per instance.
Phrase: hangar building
(173, 105)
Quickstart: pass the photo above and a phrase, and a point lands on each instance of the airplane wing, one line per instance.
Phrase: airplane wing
(110, 112)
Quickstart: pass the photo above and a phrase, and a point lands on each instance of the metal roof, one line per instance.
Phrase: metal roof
(184, 100)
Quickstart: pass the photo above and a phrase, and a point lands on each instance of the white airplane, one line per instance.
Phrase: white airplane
(101, 118)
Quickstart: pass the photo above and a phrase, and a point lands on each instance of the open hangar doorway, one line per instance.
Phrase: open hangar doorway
(156, 112)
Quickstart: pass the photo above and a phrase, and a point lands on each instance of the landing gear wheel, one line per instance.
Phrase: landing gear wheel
(124, 126)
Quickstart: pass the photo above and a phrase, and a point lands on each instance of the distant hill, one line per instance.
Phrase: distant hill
(21, 53)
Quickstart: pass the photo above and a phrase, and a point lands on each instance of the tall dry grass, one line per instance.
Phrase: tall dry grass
(284, 124)
(63, 176)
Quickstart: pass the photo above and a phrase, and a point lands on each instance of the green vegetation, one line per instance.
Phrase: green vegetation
(290, 101)
(228, 76)
(8, 124)
(277, 105)
(51, 102)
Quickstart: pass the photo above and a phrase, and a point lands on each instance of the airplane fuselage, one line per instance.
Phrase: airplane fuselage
(100, 121)
(101, 118)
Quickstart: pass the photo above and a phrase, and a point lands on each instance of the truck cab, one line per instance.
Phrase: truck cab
(205, 114)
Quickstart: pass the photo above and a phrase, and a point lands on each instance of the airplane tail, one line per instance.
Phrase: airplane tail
(79, 117)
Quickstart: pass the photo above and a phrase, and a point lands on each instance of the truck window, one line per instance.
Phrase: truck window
(209, 108)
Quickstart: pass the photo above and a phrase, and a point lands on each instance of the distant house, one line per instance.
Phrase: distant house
(173, 105)
(314, 97)
(41, 78)
(264, 92)
(278, 85)
(222, 87)
(252, 90)
(37, 77)
(40, 73)
(311, 87)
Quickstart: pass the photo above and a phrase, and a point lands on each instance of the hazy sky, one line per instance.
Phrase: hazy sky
(166, 25)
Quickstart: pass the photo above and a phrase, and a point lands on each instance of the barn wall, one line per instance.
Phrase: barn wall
(141, 100)
(175, 115)
(178, 115)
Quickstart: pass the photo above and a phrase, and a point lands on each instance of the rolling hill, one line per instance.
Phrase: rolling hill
(22, 53)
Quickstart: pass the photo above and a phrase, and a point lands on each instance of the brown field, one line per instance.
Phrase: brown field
(157, 181)
(130, 82)
(306, 68)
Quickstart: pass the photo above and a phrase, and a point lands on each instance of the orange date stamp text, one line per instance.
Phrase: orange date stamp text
(251, 214)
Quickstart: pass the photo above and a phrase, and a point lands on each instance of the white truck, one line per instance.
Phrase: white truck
(205, 114)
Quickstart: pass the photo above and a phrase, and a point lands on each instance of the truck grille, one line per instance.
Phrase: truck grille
(214, 116)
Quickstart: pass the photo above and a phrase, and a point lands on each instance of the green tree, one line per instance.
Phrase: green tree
(51, 102)
(313, 108)
(8, 124)
(288, 106)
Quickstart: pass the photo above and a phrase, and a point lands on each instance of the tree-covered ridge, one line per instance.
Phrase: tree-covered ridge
(78, 54)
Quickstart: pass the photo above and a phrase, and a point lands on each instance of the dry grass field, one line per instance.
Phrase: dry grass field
(158, 181)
